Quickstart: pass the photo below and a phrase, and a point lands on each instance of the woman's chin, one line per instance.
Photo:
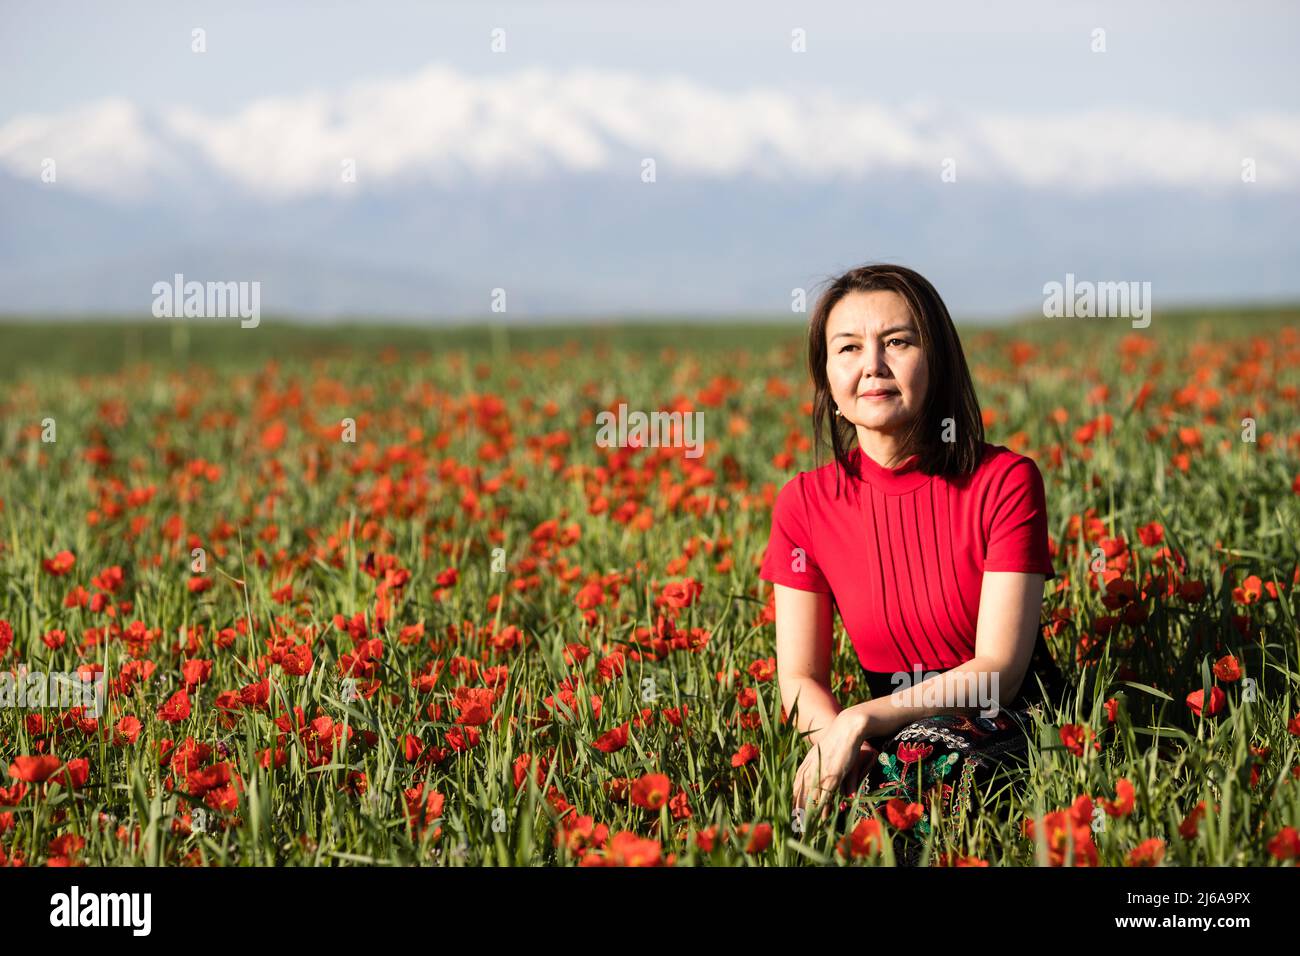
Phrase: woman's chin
(881, 423)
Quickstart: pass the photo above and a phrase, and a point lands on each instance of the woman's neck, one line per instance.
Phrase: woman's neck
(885, 450)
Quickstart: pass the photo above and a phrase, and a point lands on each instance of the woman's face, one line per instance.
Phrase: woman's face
(873, 344)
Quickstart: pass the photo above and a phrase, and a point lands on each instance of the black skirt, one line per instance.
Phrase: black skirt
(952, 753)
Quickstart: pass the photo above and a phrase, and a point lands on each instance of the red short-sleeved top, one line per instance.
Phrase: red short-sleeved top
(903, 553)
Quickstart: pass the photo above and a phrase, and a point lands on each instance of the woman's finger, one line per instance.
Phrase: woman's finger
(828, 800)
(808, 788)
(861, 767)
(828, 793)
(802, 778)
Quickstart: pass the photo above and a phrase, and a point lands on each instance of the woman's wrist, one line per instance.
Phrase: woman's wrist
(859, 717)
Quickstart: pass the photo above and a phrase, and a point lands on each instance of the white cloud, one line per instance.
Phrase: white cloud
(442, 126)
(105, 148)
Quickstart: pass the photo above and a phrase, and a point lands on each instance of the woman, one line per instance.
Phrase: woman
(931, 543)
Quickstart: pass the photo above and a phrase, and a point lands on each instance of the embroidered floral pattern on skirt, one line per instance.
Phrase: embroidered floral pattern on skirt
(950, 752)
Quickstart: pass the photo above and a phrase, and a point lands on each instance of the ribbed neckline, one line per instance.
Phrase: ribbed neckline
(892, 481)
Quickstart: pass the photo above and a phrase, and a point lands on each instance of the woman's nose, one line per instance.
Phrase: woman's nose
(873, 362)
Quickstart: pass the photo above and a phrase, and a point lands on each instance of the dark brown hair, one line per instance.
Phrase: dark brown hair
(949, 394)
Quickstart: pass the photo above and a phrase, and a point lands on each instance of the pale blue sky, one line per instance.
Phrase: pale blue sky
(1188, 58)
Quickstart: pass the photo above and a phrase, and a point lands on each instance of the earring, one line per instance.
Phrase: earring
(838, 412)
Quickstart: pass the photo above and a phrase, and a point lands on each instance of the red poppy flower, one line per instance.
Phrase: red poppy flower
(64, 849)
(256, 696)
(706, 839)
(1188, 828)
(866, 838)
(1122, 805)
(60, 564)
(757, 838)
(575, 654)
(611, 666)
(109, 580)
(461, 740)
(903, 815)
(1075, 736)
(423, 809)
(34, 769)
(628, 849)
(127, 731)
(201, 780)
(1285, 845)
(12, 796)
(590, 595)
(176, 709)
(473, 705)
(273, 436)
(612, 740)
(1151, 534)
(1196, 700)
(679, 594)
(651, 791)
(680, 806)
(674, 715)
(1147, 853)
(1227, 669)
(196, 672)
(295, 661)
(1063, 828)
(1250, 590)
(521, 765)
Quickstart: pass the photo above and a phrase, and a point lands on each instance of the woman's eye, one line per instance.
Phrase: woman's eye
(904, 341)
(847, 347)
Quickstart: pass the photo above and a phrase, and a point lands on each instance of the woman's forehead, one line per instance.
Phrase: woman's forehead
(869, 313)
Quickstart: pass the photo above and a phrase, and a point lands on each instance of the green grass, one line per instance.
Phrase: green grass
(155, 406)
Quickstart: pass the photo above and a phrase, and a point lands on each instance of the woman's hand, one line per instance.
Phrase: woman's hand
(836, 762)
(867, 755)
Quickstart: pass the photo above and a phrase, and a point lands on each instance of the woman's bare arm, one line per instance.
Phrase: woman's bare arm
(1010, 605)
(803, 657)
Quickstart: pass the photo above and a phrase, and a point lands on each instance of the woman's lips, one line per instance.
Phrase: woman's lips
(877, 394)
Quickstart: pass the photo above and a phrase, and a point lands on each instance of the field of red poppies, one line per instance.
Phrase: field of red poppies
(380, 597)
